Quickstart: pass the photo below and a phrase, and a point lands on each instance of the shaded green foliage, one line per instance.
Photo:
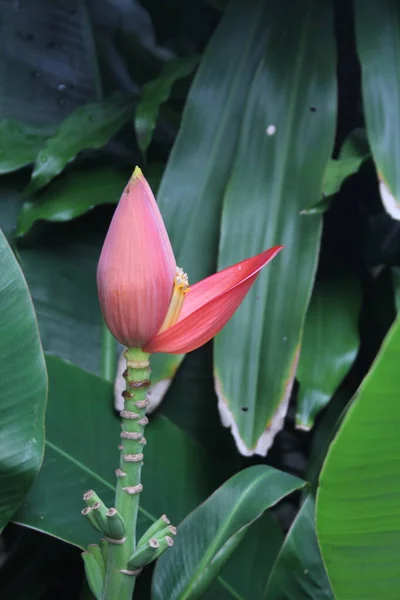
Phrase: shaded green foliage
(249, 136)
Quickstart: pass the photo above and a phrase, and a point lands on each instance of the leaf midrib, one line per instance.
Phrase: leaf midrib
(212, 548)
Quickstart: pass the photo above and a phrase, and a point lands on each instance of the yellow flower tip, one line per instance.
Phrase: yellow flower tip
(181, 280)
(181, 287)
(137, 173)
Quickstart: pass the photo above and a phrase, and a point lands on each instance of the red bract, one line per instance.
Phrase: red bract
(146, 301)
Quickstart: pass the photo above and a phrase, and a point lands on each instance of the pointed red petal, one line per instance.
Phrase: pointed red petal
(136, 270)
(209, 305)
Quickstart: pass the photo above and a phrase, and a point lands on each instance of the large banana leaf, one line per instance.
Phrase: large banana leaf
(82, 455)
(285, 142)
(358, 513)
(23, 387)
(210, 534)
(377, 34)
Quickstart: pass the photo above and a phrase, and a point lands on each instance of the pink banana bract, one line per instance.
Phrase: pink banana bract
(145, 299)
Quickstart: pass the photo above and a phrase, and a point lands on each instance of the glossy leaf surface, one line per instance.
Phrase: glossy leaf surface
(358, 518)
(299, 573)
(330, 345)
(83, 455)
(23, 387)
(284, 145)
(210, 534)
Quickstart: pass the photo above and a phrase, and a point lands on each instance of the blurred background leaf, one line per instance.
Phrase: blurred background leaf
(90, 126)
(298, 572)
(73, 195)
(20, 144)
(329, 347)
(258, 551)
(156, 92)
(49, 64)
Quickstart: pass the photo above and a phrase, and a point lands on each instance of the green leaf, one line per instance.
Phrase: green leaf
(73, 195)
(23, 387)
(320, 207)
(324, 431)
(90, 126)
(358, 516)
(209, 535)
(299, 573)
(193, 185)
(337, 171)
(330, 345)
(259, 548)
(377, 36)
(157, 92)
(353, 153)
(396, 286)
(48, 63)
(20, 144)
(60, 268)
(82, 455)
(77, 192)
(355, 144)
(283, 148)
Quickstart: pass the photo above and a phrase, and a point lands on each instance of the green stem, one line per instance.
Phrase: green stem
(108, 355)
(120, 583)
